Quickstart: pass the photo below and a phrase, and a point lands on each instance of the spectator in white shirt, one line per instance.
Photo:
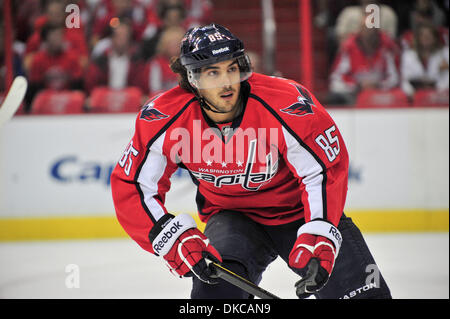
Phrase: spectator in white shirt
(117, 65)
(426, 64)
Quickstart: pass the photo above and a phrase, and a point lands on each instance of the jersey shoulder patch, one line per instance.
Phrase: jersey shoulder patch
(161, 112)
(150, 113)
(304, 104)
(165, 105)
(286, 97)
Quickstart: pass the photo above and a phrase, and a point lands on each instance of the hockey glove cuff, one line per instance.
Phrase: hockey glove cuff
(184, 248)
(314, 253)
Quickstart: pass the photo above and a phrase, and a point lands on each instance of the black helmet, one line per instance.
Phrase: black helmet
(202, 46)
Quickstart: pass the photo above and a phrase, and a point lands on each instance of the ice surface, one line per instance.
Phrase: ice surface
(414, 265)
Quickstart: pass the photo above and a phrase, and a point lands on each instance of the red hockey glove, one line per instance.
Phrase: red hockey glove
(314, 253)
(184, 248)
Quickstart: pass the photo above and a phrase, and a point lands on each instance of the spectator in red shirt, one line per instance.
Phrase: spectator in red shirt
(198, 12)
(73, 38)
(157, 75)
(170, 14)
(117, 66)
(111, 12)
(54, 66)
(426, 12)
(366, 60)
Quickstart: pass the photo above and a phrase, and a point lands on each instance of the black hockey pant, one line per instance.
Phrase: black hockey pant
(247, 248)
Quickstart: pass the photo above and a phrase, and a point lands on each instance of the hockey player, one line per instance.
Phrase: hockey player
(271, 170)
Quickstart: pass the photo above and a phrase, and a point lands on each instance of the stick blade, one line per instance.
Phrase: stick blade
(13, 99)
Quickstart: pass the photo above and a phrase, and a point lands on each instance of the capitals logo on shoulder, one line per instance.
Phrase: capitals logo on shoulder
(304, 103)
(149, 113)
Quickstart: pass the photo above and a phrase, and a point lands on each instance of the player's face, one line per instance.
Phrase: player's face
(223, 82)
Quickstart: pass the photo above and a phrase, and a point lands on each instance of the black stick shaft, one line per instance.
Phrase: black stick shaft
(240, 282)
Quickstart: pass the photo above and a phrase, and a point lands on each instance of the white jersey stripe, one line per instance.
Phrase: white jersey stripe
(310, 170)
(151, 173)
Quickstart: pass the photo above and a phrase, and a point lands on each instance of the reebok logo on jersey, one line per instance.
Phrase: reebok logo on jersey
(149, 113)
(303, 106)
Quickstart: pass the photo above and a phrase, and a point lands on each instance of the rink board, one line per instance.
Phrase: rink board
(90, 227)
(54, 173)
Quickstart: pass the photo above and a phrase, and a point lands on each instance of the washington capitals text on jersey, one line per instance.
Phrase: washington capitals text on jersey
(244, 177)
(303, 106)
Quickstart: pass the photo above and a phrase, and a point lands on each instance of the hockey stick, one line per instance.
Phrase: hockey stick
(238, 281)
(13, 99)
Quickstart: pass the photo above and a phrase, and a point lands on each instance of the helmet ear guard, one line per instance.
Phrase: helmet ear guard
(191, 78)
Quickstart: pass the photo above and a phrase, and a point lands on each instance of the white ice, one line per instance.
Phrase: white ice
(414, 265)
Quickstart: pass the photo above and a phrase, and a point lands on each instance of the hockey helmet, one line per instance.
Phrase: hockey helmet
(210, 44)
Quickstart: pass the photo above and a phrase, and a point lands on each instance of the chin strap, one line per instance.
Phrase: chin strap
(205, 105)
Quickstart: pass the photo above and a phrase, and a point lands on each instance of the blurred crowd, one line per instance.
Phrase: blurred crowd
(400, 47)
(121, 49)
(119, 45)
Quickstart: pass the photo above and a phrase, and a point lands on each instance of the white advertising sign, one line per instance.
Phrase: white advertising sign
(60, 165)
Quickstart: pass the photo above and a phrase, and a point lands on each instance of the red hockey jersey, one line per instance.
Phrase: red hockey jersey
(281, 160)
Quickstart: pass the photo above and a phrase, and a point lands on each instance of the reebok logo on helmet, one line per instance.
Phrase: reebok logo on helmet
(221, 50)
